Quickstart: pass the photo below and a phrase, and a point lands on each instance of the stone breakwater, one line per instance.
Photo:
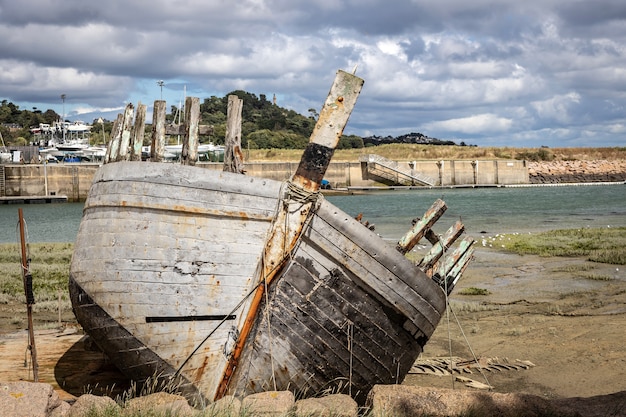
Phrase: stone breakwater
(555, 172)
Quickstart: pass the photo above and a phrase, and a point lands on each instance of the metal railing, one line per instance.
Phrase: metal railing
(394, 171)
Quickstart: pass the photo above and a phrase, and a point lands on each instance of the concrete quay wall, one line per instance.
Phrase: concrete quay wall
(74, 179)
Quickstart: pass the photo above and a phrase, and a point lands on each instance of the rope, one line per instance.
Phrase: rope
(445, 290)
(215, 329)
(448, 310)
(269, 333)
(350, 333)
(480, 368)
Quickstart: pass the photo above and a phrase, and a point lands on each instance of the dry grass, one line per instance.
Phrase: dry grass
(409, 152)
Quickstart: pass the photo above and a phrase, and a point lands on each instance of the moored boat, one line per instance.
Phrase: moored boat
(217, 283)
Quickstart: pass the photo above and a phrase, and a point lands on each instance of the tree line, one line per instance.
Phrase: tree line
(265, 125)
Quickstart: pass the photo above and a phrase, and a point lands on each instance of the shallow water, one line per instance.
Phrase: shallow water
(489, 210)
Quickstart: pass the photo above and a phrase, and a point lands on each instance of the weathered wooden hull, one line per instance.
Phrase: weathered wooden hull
(165, 262)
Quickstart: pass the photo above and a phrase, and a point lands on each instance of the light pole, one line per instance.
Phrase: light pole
(160, 83)
(63, 117)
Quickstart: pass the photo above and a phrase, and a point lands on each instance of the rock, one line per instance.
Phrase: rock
(402, 400)
(88, 404)
(160, 403)
(28, 399)
(61, 411)
(270, 403)
(334, 405)
(225, 406)
(551, 172)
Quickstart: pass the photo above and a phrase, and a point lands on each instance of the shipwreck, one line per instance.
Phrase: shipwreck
(217, 283)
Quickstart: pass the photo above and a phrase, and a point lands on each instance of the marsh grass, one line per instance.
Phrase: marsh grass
(604, 245)
(49, 266)
(410, 152)
(474, 291)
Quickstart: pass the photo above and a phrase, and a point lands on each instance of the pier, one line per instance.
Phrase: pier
(34, 199)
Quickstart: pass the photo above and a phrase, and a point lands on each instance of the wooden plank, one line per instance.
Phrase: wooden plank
(447, 263)
(413, 236)
(385, 255)
(385, 286)
(433, 255)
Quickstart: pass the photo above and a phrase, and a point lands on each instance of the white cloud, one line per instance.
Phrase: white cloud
(542, 72)
(480, 123)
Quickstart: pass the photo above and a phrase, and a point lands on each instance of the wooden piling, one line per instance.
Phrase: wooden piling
(138, 132)
(233, 156)
(189, 153)
(157, 148)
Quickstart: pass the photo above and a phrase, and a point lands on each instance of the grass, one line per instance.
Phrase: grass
(604, 245)
(474, 291)
(49, 267)
(409, 152)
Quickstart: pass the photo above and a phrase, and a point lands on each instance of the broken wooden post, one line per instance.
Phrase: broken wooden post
(233, 157)
(114, 144)
(450, 260)
(189, 152)
(138, 133)
(157, 147)
(127, 125)
(413, 236)
(327, 131)
(440, 246)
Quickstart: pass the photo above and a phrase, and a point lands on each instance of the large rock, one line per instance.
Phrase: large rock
(88, 404)
(225, 406)
(270, 403)
(334, 405)
(28, 399)
(403, 400)
(160, 403)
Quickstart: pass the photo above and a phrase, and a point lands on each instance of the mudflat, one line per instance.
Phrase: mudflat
(566, 316)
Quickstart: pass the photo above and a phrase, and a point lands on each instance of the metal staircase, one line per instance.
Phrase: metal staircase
(393, 171)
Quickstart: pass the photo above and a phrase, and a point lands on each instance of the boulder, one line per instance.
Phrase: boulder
(160, 403)
(403, 400)
(270, 403)
(334, 405)
(28, 399)
(88, 404)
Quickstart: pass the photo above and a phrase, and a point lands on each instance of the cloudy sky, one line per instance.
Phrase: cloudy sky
(487, 72)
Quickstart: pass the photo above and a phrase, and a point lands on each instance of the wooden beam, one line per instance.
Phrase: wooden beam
(413, 236)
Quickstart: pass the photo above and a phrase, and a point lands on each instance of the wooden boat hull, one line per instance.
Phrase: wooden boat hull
(165, 262)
